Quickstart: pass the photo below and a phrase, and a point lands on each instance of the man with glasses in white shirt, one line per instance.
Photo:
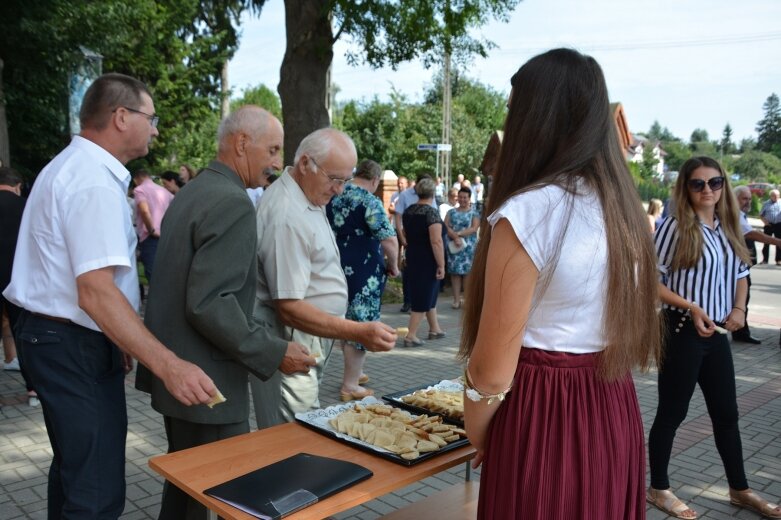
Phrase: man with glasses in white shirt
(301, 286)
(75, 277)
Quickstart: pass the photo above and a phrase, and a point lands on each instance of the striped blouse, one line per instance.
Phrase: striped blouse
(711, 283)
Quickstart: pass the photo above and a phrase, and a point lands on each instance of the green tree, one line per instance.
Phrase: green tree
(389, 132)
(649, 162)
(769, 127)
(726, 145)
(177, 47)
(381, 32)
(655, 132)
(698, 136)
(677, 154)
(261, 96)
(747, 144)
(757, 165)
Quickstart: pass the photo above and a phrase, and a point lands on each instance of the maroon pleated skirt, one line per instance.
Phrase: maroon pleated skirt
(564, 444)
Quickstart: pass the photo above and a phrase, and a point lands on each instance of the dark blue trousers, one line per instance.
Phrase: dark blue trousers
(148, 252)
(79, 376)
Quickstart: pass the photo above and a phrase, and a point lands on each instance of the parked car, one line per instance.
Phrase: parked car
(760, 188)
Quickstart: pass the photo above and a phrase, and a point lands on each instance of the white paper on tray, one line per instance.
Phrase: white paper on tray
(448, 385)
(320, 418)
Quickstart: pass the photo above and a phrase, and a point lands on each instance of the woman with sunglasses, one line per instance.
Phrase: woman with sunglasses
(704, 261)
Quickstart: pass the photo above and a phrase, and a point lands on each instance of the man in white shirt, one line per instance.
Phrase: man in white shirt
(75, 277)
(301, 285)
(751, 235)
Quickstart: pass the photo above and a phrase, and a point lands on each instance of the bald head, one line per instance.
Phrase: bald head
(320, 143)
(324, 161)
(250, 142)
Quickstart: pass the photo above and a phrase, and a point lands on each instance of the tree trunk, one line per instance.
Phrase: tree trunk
(303, 75)
(5, 153)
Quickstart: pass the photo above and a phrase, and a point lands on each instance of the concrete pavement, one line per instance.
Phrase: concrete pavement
(696, 471)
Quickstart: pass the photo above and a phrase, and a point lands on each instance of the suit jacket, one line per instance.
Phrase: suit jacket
(201, 300)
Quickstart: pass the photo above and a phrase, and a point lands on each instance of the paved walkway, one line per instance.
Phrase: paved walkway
(696, 471)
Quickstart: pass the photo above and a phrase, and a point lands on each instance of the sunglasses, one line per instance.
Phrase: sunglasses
(697, 185)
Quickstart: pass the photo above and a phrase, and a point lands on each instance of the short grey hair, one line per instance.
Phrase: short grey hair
(250, 119)
(740, 189)
(368, 170)
(317, 144)
(425, 188)
(776, 192)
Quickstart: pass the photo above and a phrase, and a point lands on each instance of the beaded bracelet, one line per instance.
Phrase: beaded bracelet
(476, 395)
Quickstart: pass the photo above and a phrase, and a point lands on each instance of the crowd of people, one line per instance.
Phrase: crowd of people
(252, 285)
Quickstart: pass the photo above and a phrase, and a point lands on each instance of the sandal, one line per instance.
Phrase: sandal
(750, 500)
(363, 379)
(436, 335)
(666, 501)
(413, 342)
(355, 396)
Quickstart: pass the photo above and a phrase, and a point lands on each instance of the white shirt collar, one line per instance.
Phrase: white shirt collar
(101, 155)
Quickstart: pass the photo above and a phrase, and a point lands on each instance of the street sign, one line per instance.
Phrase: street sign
(439, 147)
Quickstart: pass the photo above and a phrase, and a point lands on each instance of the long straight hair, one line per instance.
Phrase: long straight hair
(560, 129)
(689, 247)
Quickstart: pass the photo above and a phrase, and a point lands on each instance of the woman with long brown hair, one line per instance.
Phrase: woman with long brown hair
(704, 263)
(560, 306)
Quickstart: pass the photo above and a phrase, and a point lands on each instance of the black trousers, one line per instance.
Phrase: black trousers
(690, 359)
(772, 230)
(745, 331)
(79, 376)
(176, 504)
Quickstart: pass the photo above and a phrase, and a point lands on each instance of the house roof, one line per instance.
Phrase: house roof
(625, 137)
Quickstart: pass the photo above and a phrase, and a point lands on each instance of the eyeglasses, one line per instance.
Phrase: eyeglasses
(336, 181)
(714, 183)
(153, 119)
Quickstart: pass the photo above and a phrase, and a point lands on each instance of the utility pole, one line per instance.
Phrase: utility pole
(225, 91)
(444, 163)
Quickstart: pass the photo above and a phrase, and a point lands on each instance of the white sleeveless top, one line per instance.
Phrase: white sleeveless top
(569, 315)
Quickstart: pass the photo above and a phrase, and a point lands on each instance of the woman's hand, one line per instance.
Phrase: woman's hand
(459, 241)
(736, 320)
(478, 459)
(702, 323)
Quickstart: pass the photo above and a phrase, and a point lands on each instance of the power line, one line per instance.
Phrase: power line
(654, 44)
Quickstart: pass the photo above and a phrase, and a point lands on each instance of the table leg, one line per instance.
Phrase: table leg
(211, 515)
(467, 472)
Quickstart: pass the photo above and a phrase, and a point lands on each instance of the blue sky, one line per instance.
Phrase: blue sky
(685, 63)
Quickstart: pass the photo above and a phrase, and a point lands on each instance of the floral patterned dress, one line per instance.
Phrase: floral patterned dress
(461, 262)
(360, 223)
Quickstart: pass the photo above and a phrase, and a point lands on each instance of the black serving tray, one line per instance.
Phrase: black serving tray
(380, 452)
(395, 400)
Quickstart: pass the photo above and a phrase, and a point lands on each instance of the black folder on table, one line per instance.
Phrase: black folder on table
(288, 485)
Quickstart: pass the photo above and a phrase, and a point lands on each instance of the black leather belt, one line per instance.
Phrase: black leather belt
(53, 318)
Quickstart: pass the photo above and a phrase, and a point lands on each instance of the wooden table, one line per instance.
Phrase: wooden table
(205, 466)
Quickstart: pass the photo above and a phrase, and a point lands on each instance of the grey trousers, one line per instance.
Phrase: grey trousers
(280, 398)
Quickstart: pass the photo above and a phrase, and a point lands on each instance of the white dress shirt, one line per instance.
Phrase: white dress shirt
(76, 220)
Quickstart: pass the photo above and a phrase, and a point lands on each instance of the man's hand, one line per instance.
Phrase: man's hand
(188, 383)
(376, 336)
(440, 274)
(297, 359)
